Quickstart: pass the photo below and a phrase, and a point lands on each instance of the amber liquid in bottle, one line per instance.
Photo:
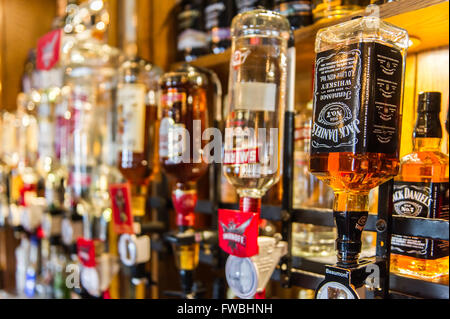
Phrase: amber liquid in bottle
(189, 105)
(354, 172)
(424, 167)
(137, 114)
(138, 167)
(358, 84)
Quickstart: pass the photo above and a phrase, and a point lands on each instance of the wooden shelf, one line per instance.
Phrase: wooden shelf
(425, 20)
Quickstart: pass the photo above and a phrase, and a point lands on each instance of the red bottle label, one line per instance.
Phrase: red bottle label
(184, 203)
(241, 156)
(48, 49)
(86, 252)
(238, 232)
(120, 195)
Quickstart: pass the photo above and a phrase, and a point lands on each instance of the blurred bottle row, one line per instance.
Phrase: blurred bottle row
(203, 26)
(87, 119)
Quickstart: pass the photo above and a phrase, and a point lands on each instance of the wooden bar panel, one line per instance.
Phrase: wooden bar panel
(162, 33)
(144, 28)
(23, 23)
(409, 114)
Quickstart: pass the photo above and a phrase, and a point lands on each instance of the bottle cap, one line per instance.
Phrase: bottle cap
(429, 102)
(428, 124)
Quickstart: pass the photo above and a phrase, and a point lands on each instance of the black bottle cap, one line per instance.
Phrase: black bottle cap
(428, 124)
(429, 102)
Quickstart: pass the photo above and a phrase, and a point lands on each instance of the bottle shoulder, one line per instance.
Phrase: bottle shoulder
(365, 29)
(431, 157)
(137, 70)
(424, 166)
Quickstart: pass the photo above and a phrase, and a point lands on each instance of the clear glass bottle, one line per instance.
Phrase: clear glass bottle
(91, 77)
(358, 89)
(91, 68)
(421, 190)
(257, 90)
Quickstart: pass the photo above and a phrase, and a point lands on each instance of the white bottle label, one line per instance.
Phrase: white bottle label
(166, 125)
(131, 99)
(255, 96)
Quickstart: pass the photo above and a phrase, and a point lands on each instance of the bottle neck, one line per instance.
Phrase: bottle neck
(350, 215)
(426, 144)
(351, 202)
(184, 199)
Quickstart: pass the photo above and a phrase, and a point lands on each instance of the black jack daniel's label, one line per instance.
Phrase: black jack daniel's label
(428, 200)
(357, 98)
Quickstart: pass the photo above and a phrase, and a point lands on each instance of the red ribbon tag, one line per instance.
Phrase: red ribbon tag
(184, 203)
(120, 195)
(26, 188)
(238, 232)
(48, 49)
(86, 252)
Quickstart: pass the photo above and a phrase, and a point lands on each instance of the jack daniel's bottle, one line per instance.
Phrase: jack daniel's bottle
(356, 123)
(421, 190)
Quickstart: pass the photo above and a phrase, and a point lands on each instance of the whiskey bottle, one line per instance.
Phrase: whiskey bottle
(137, 112)
(358, 88)
(183, 119)
(184, 116)
(421, 190)
(333, 9)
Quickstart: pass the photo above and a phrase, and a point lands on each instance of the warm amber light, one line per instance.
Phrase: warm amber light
(413, 42)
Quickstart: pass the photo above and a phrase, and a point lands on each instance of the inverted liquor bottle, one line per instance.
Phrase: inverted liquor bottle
(91, 75)
(184, 117)
(358, 88)
(91, 68)
(421, 190)
(257, 91)
(137, 114)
